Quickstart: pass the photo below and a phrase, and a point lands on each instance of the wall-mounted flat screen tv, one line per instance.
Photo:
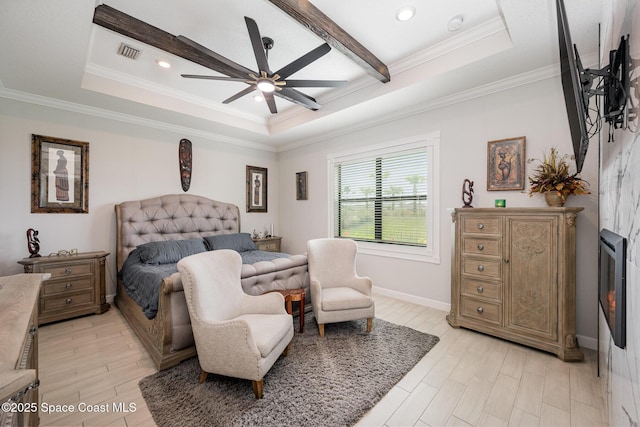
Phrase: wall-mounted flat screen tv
(576, 101)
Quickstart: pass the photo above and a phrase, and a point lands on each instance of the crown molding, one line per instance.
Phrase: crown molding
(456, 98)
(127, 118)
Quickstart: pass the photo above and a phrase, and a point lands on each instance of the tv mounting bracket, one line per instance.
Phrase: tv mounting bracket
(614, 85)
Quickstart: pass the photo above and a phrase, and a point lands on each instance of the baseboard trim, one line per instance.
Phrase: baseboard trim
(426, 302)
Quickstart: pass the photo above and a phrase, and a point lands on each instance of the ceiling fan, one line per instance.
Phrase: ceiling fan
(267, 82)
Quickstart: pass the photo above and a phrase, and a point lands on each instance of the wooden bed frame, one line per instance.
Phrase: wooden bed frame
(170, 217)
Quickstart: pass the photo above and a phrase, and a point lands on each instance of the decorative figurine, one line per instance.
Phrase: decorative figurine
(467, 193)
(33, 244)
(185, 157)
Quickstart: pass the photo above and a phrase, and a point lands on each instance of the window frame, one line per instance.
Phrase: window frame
(430, 142)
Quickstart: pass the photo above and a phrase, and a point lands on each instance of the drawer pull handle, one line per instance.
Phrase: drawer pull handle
(480, 226)
(68, 301)
(506, 261)
(480, 247)
(481, 268)
(68, 286)
(480, 310)
(68, 271)
(480, 289)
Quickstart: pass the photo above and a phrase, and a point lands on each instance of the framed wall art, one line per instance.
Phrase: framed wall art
(301, 185)
(505, 164)
(256, 189)
(59, 175)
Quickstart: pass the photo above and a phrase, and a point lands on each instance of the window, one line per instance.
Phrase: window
(385, 197)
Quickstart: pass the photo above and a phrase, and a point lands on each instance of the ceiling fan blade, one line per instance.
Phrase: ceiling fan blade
(223, 78)
(258, 47)
(239, 94)
(299, 98)
(268, 96)
(316, 83)
(303, 61)
(211, 54)
(136, 29)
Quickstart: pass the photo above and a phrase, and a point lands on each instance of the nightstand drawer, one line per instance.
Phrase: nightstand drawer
(66, 302)
(481, 310)
(66, 270)
(61, 286)
(270, 247)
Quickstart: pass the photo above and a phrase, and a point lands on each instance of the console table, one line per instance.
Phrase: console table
(76, 288)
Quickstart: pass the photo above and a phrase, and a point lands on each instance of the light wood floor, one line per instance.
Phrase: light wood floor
(467, 379)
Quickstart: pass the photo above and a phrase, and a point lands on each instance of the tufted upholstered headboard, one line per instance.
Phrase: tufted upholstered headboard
(171, 217)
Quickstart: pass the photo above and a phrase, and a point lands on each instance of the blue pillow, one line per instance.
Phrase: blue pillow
(239, 242)
(170, 251)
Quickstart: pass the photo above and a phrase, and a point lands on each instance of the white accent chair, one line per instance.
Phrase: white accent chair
(338, 294)
(236, 334)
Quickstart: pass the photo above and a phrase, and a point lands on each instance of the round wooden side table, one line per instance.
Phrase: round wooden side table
(291, 295)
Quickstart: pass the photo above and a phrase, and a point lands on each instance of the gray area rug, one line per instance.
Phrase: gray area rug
(330, 381)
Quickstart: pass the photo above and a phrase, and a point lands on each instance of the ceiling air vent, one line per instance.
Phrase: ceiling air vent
(128, 51)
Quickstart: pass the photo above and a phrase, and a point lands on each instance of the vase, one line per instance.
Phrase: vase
(553, 199)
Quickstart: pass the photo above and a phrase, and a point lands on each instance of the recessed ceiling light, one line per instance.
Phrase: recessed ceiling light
(455, 23)
(258, 98)
(162, 63)
(405, 13)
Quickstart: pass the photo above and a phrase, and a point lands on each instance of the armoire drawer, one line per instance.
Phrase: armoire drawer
(482, 225)
(482, 246)
(481, 310)
(489, 268)
(482, 289)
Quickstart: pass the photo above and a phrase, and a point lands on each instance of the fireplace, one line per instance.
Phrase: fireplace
(612, 284)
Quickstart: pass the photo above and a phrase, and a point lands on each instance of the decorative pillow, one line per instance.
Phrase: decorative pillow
(170, 251)
(239, 242)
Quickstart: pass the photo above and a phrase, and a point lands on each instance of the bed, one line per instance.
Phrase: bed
(182, 220)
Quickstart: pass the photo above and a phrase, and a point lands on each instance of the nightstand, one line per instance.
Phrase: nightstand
(76, 287)
(269, 244)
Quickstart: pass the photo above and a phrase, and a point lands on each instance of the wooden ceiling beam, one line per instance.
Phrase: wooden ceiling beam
(317, 22)
(128, 26)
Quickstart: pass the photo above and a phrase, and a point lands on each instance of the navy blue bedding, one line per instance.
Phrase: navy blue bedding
(142, 281)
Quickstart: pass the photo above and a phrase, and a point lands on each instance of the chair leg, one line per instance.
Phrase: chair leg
(369, 324)
(257, 388)
(285, 353)
(203, 376)
(321, 329)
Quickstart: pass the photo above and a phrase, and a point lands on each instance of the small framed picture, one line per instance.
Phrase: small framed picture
(59, 175)
(301, 186)
(256, 189)
(505, 164)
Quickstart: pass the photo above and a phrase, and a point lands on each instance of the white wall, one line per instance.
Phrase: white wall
(130, 162)
(127, 162)
(536, 111)
(619, 199)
